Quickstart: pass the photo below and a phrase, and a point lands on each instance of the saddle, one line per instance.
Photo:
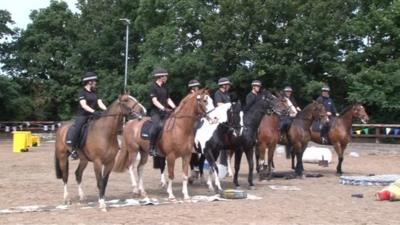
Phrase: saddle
(146, 128)
(82, 135)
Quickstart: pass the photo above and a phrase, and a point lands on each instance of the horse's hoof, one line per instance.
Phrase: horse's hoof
(252, 187)
(68, 202)
(143, 194)
(187, 199)
(104, 209)
(171, 199)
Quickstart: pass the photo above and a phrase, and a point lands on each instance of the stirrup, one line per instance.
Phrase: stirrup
(324, 141)
(154, 152)
(74, 155)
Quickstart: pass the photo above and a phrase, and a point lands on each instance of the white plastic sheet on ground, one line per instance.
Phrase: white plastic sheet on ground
(315, 154)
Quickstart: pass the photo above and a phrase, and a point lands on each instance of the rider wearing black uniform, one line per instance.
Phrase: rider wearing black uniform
(330, 111)
(221, 96)
(193, 86)
(162, 106)
(88, 102)
(254, 95)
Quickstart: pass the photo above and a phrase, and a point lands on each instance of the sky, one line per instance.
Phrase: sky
(21, 9)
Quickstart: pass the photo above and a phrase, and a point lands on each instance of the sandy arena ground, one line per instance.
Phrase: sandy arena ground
(29, 179)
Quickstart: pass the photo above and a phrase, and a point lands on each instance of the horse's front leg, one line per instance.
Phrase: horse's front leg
(249, 155)
(171, 176)
(185, 169)
(238, 159)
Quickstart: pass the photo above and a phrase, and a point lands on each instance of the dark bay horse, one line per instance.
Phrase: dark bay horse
(101, 146)
(299, 132)
(177, 140)
(251, 121)
(340, 132)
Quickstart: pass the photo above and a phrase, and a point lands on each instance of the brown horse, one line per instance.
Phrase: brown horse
(340, 132)
(268, 137)
(299, 132)
(101, 146)
(176, 140)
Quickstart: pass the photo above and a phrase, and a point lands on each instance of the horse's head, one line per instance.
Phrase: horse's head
(235, 118)
(319, 112)
(202, 102)
(130, 106)
(359, 112)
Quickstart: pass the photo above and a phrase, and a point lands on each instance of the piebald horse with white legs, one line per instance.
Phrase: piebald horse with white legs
(177, 140)
(101, 146)
(210, 136)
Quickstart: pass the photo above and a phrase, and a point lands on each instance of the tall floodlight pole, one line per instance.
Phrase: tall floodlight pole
(127, 23)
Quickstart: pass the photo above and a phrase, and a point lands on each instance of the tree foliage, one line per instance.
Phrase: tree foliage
(351, 45)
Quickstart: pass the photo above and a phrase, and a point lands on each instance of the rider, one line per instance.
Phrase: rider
(330, 111)
(286, 120)
(254, 95)
(160, 102)
(287, 91)
(193, 86)
(88, 102)
(221, 96)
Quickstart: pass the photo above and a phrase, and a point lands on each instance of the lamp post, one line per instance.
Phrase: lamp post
(127, 23)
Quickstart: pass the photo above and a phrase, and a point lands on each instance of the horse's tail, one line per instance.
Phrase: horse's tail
(123, 159)
(58, 167)
(288, 149)
(59, 157)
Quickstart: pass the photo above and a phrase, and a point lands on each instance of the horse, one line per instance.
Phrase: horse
(251, 120)
(268, 136)
(299, 132)
(100, 147)
(340, 131)
(210, 137)
(176, 140)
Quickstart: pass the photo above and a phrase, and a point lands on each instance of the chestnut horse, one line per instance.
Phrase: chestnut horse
(340, 131)
(177, 140)
(299, 132)
(101, 146)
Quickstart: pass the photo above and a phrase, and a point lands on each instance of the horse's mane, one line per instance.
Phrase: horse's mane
(110, 107)
(306, 110)
(345, 110)
(183, 102)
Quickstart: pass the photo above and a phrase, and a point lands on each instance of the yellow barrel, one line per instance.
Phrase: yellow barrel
(20, 141)
(28, 138)
(35, 140)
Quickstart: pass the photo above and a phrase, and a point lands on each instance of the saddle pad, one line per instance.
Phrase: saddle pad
(145, 132)
(317, 126)
(83, 135)
(382, 180)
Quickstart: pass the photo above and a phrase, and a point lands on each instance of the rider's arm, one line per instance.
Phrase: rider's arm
(155, 102)
(101, 104)
(171, 103)
(84, 106)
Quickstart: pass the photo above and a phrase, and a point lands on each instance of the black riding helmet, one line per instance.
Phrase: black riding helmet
(224, 80)
(193, 83)
(256, 83)
(159, 72)
(89, 76)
